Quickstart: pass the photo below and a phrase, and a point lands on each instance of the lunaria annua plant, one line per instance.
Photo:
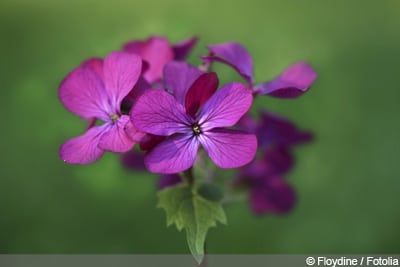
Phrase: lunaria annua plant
(174, 119)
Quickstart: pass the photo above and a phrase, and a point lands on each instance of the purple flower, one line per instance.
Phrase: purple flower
(268, 191)
(273, 130)
(264, 178)
(179, 87)
(160, 113)
(156, 51)
(93, 91)
(293, 82)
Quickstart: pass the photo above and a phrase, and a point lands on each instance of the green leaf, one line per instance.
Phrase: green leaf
(190, 211)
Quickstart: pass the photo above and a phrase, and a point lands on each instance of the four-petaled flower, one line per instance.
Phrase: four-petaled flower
(93, 91)
(195, 115)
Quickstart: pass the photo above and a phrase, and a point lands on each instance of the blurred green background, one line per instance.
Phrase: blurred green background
(348, 180)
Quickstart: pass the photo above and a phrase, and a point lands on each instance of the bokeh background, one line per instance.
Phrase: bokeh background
(348, 180)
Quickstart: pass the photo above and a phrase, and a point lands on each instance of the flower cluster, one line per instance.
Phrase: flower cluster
(147, 94)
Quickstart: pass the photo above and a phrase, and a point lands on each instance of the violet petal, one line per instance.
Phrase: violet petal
(234, 55)
(183, 48)
(156, 51)
(82, 93)
(179, 77)
(293, 82)
(157, 112)
(115, 138)
(229, 148)
(121, 72)
(96, 65)
(175, 154)
(133, 133)
(226, 106)
(83, 149)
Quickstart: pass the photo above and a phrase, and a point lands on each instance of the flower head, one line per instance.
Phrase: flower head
(195, 116)
(95, 90)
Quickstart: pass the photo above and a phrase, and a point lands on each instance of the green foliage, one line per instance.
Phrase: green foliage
(188, 210)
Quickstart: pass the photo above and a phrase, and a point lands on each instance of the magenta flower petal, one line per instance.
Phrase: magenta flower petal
(175, 154)
(226, 106)
(121, 72)
(178, 77)
(115, 138)
(183, 48)
(81, 92)
(293, 82)
(200, 91)
(96, 65)
(167, 180)
(157, 112)
(156, 51)
(134, 134)
(234, 55)
(229, 148)
(274, 196)
(83, 149)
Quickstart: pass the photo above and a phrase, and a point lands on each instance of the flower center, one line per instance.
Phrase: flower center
(196, 129)
(114, 117)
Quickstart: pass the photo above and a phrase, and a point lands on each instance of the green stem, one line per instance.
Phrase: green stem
(188, 174)
(204, 261)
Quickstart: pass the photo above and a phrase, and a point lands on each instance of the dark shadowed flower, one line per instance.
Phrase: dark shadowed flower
(273, 130)
(264, 177)
(268, 191)
(195, 117)
(156, 51)
(133, 160)
(95, 90)
(292, 82)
